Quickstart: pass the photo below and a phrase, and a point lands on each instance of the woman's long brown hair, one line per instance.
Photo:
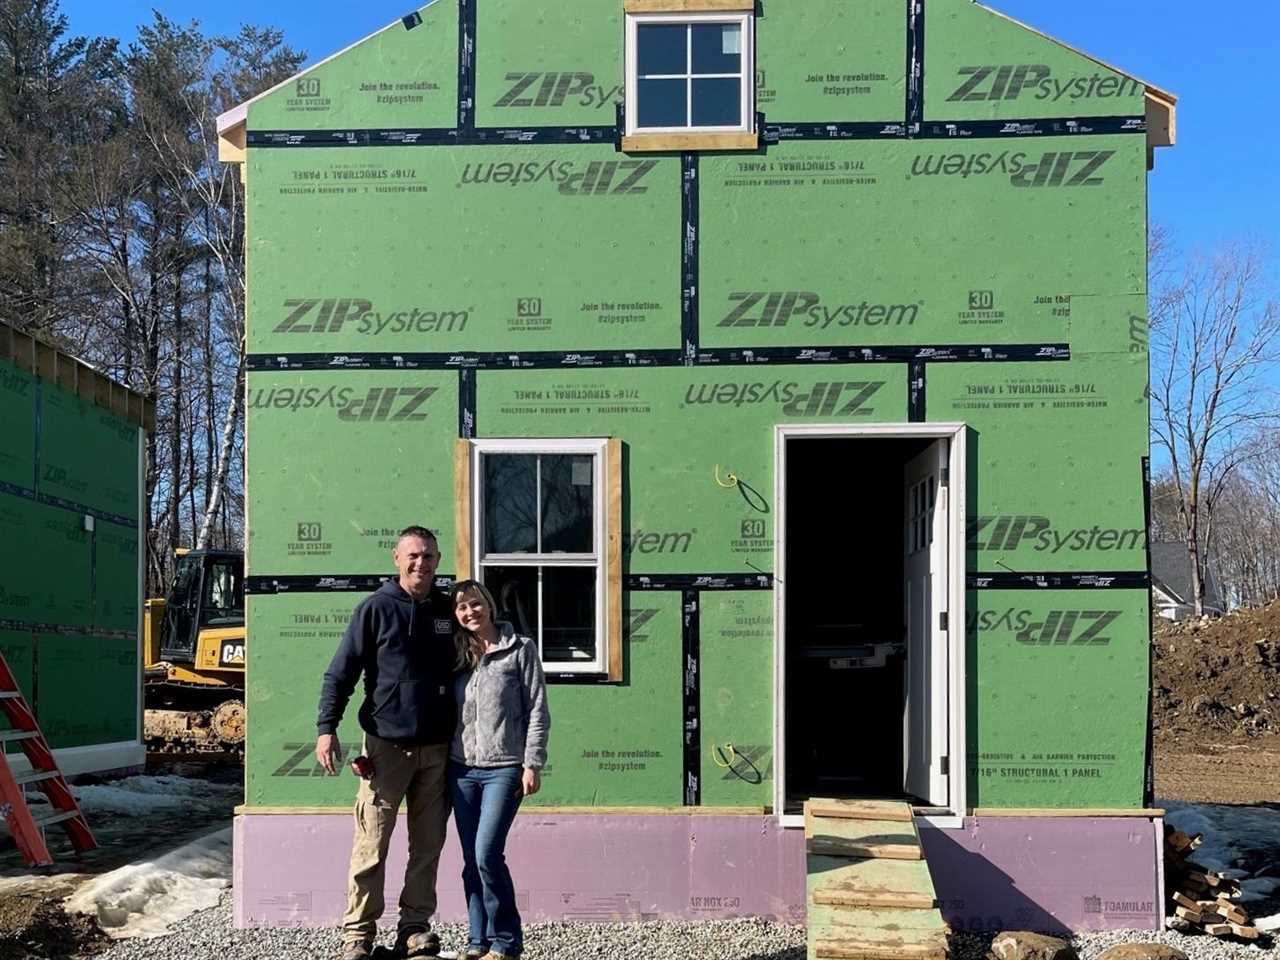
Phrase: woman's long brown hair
(464, 640)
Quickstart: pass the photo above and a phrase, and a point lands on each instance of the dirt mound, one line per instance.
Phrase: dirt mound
(36, 926)
(1218, 678)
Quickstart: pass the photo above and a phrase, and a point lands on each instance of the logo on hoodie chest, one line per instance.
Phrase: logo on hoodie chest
(444, 626)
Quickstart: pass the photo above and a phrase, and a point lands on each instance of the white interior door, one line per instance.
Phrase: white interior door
(926, 549)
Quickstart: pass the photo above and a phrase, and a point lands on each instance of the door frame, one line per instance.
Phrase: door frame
(957, 462)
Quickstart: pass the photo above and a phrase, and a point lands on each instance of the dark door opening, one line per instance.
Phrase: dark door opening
(846, 638)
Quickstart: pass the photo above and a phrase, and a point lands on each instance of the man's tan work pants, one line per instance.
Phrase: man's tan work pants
(415, 774)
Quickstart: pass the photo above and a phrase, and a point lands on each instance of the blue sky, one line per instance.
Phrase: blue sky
(1221, 59)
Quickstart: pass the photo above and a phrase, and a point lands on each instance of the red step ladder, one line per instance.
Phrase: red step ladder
(27, 828)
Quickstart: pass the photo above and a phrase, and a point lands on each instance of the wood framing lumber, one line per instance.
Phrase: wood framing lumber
(676, 142)
(1149, 813)
(1192, 915)
(1243, 932)
(859, 809)
(687, 6)
(1218, 929)
(1182, 900)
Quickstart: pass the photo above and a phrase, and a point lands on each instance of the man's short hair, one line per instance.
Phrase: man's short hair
(422, 533)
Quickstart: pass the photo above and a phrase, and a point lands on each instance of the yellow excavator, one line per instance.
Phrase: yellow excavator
(194, 642)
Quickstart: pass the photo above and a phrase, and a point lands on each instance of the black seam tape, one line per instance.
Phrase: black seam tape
(770, 133)
(915, 64)
(698, 581)
(466, 404)
(353, 582)
(340, 583)
(1118, 580)
(744, 356)
(691, 699)
(466, 65)
(998, 129)
(689, 256)
(916, 392)
(31, 626)
(49, 500)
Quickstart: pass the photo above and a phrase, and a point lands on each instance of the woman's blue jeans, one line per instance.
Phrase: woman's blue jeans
(485, 801)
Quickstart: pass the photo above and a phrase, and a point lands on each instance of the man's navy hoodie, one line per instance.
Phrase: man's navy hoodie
(405, 651)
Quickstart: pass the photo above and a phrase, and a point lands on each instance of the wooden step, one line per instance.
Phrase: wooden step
(870, 883)
(886, 839)
(835, 923)
(859, 809)
(870, 943)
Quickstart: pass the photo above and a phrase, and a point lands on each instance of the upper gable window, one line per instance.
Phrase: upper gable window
(690, 73)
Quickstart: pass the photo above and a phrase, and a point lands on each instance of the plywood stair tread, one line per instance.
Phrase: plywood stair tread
(870, 883)
(835, 923)
(837, 836)
(873, 944)
(859, 809)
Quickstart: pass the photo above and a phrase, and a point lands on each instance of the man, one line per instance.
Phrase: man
(401, 639)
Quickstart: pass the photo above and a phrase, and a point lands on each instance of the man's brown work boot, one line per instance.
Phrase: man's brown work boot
(357, 950)
(417, 943)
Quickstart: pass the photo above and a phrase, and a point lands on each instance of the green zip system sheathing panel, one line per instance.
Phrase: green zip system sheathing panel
(420, 287)
(622, 742)
(1044, 493)
(116, 578)
(75, 671)
(972, 269)
(549, 64)
(1057, 711)
(852, 65)
(737, 679)
(982, 66)
(17, 426)
(395, 78)
(673, 422)
(358, 455)
(48, 578)
(87, 455)
(69, 596)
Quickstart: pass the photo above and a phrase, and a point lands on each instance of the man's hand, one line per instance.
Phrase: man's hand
(329, 753)
(531, 781)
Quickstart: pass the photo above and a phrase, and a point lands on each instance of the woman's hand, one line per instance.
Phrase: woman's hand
(531, 781)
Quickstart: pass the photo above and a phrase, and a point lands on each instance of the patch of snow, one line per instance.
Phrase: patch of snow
(145, 899)
(1236, 841)
(144, 794)
(1268, 924)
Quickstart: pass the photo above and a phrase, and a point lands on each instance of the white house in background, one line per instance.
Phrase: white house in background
(1171, 584)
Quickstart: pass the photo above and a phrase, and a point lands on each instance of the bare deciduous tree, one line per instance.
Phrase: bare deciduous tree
(1214, 330)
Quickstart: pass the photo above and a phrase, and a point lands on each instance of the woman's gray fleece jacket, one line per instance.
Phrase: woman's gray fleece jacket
(503, 719)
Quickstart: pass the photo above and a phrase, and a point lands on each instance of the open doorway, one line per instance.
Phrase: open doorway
(865, 587)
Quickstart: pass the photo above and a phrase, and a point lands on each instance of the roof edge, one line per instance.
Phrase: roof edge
(32, 354)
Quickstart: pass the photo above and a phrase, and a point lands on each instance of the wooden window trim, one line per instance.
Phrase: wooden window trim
(678, 142)
(688, 6)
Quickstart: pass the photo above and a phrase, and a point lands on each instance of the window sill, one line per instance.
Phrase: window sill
(675, 142)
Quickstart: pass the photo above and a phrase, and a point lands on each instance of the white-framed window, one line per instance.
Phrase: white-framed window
(690, 73)
(540, 544)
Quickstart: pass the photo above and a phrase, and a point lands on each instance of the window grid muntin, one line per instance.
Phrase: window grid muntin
(746, 76)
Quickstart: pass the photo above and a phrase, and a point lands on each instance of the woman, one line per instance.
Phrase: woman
(498, 752)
